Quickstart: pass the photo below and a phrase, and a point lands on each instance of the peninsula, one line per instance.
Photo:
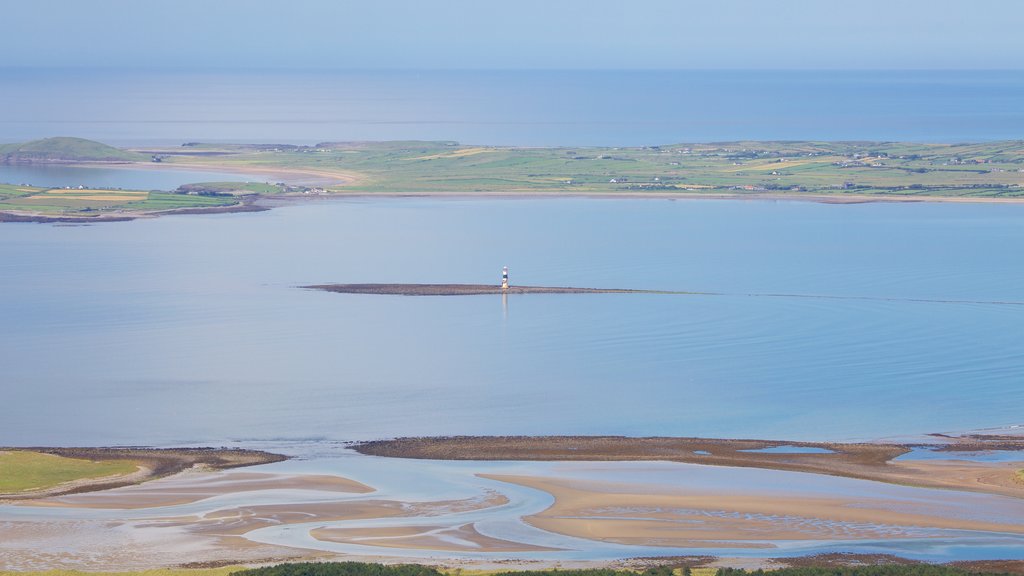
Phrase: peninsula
(838, 172)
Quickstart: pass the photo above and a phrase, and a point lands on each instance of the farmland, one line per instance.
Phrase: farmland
(894, 170)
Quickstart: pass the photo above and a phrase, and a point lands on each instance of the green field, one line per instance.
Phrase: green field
(23, 470)
(990, 170)
(96, 202)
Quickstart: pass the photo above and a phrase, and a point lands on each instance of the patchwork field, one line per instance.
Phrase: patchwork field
(97, 202)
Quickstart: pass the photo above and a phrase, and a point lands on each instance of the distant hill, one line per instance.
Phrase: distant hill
(64, 149)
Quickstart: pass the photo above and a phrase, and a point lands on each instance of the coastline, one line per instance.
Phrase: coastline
(337, 180)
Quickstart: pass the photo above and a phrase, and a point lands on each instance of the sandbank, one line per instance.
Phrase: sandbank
(651, 515)
(865, 461)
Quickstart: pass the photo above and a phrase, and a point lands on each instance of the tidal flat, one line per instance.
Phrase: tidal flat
(332, 503)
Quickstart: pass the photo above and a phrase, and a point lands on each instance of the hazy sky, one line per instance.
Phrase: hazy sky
(513, 33)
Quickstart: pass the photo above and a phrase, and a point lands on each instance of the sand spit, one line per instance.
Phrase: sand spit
(153, 463)
(865, 461)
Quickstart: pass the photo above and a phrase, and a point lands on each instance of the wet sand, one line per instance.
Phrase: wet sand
(403, 509)
(866, 461)
(652, 515)
(463, 538)
(187, 488)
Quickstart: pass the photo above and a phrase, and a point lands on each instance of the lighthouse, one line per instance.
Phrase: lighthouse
(504, 279)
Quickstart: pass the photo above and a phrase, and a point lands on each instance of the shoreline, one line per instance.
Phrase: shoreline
(681, 195)
(338, 180)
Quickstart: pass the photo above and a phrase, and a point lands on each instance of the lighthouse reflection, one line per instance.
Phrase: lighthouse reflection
(504, 305)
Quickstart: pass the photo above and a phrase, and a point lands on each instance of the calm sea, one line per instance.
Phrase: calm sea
(573, 108)
(191, 329)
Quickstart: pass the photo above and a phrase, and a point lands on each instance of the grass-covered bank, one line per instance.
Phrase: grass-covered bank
(27, 473)
(21, 471)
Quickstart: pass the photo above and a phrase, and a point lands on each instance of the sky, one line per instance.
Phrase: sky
(516, 34)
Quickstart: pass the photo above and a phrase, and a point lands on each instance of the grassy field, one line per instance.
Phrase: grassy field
(95, 202)
(22, 470)
(799, 168)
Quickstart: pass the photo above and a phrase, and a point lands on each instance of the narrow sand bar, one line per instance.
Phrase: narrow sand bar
(865, 461)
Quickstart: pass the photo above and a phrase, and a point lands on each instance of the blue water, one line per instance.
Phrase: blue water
(192, 329)
(922, 453)
(791, 450)
(571, 108)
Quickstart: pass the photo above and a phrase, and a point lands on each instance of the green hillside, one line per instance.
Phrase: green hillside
(63, 149)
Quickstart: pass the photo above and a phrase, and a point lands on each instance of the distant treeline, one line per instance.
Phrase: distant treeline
(363, 569)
